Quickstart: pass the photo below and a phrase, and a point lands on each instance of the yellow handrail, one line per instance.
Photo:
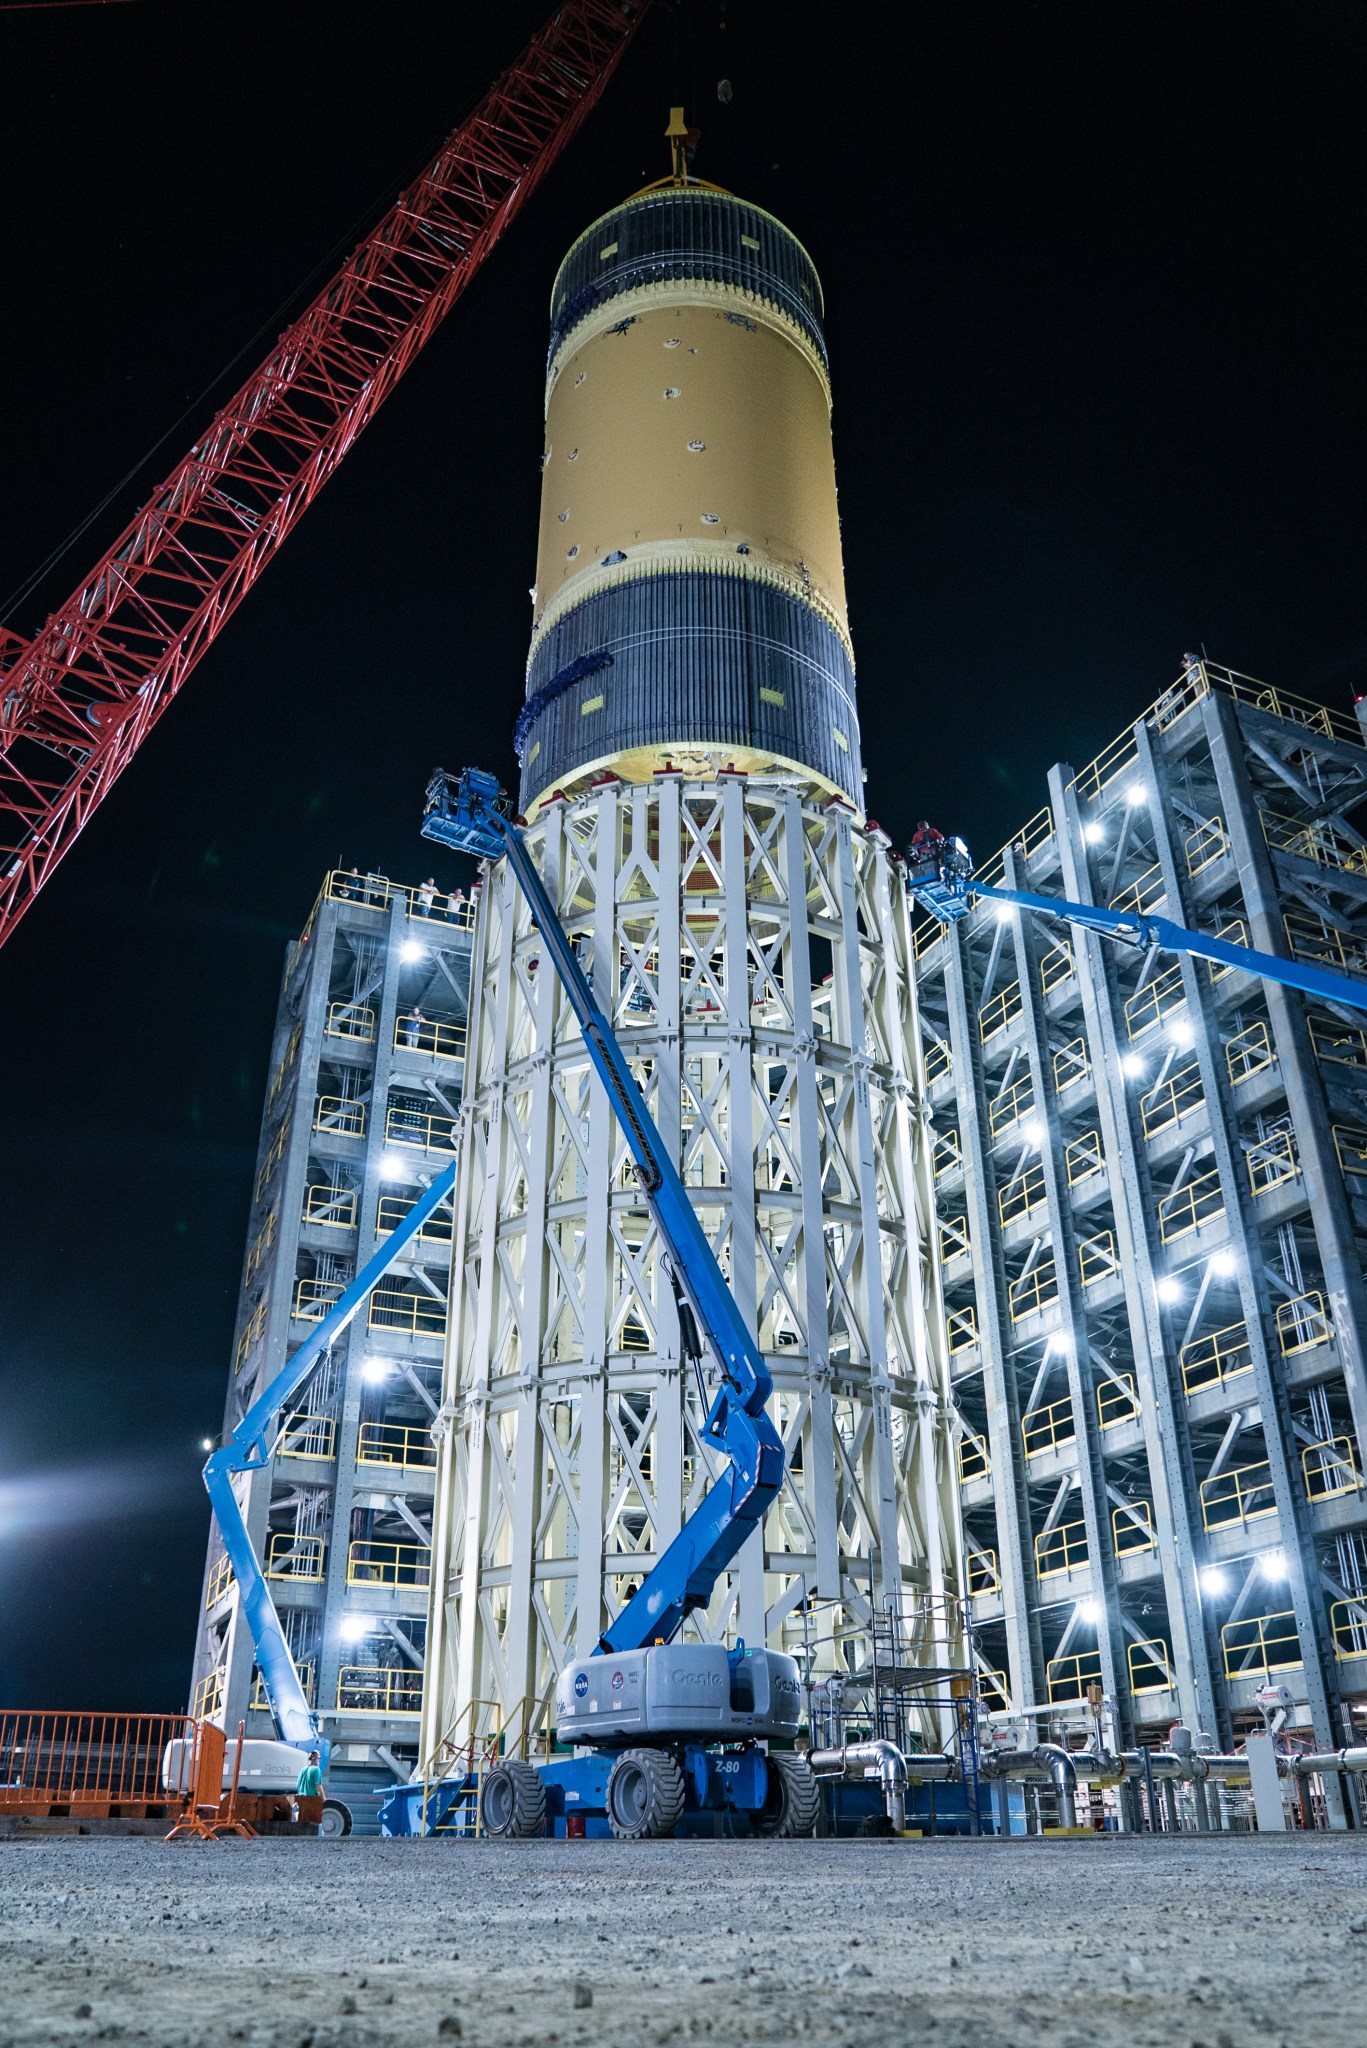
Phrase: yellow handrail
(209, 1694)
(1341, 1045)
(938, 1061)
(1330, 1468)
(1034, 1291)
(1273, 1163)
(329, 1208)
(313, 1298)
(434, 1035)
(272, 1158)
(1145, 893)
(1116, 1404)
(1265, 1642)
(1172, 1099)
(1061, 1549)
(350, 1020)
(961, 1329)
(295, 1557)
(1044, 1429)
(1218, 1356)
(395, 1443)
(1022, 1195)
(1084, 1158)
(424, 1132)
(221, 1576)
(1318, 840)
(1191, 1207)
(1207, 844)
(1067, 1678)
(373, 1563)
(261, 1699)
(1129, 1539)
(1107, 768)
(251, 1335)
(260, 1245)
(1241, 1495)
(954, 1237)
(341, 1116)
(391, 1210)
(1056, 966)
(1007, 1109)
(308, 1436)
(1072, 1063)
(1001, 1012)
(1151, 1666)
(1151, 1005)
(946, 1154)
(974, 1459)
(1250, 1053)
(1351, 1147)
(1348, 1625)
(379, 1689)
(1310, 938)
(983, 1575)
(396, 1308)
(1097, 1258)
(1303, 1324)
(1235, 933)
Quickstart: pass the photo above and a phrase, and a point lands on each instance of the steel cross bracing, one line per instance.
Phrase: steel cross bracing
(78, 700)
(706, 917)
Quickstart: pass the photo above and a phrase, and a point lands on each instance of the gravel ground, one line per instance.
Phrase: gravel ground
(1240, 1942)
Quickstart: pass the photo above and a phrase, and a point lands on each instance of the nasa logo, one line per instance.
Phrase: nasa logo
(617, 1681)
(581, 1686)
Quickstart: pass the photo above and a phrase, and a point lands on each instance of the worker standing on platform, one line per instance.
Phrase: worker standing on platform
(926, 849)
(412, 1026)
(427, 895)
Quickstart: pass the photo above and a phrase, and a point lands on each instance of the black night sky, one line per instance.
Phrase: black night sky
(1096, 304)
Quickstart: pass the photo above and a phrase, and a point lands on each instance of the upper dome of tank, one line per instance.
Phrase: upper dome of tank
(683, 231)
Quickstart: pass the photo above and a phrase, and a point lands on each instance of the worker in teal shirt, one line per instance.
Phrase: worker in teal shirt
(310, 1784)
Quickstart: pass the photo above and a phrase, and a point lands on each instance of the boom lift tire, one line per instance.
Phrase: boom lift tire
(645, 1795)
(793, 1800)
(512, 1801)
(336, 1820)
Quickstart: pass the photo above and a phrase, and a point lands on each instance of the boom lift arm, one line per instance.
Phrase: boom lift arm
(468, 812)
(941, 881)
(248, 1450)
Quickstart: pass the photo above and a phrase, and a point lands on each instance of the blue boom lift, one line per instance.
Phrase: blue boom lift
(940, 878)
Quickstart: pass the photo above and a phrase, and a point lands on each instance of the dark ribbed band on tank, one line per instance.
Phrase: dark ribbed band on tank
(697, 657)
(688, 234)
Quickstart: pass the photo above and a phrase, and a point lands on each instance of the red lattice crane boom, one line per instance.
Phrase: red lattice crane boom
(78, 700)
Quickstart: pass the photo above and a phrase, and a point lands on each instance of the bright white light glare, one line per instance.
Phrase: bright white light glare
(1273, 1566)
(1169, 1289)
(1005, 912)
(392, 1167)
(355, 1628)
(1092, 831)
(1182, 1033)
(1135, 794)
(1223, 1264)
(1213, 1581)
(1088, 1610)
(1131, 1065)
(375, 1370)
(411, 949)
(1058, 1346)
(1032, 1131)
(206, 1443)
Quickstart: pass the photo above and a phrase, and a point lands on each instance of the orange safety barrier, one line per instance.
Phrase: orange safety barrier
(87, 1766)
(208, 1816)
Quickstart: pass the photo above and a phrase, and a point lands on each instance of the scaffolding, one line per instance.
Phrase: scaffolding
(366, 1081)
(1153, 1206)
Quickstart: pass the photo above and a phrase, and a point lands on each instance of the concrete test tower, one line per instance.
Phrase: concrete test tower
(691, 777)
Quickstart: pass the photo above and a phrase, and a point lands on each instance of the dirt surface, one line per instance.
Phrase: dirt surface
(1234, 1942)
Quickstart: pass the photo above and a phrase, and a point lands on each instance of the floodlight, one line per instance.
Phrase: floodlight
(1214, 1581)
(1058, 1346)
(392, 1167)
(1182, 1034)
(1223, 1265)
(411, 949)
(1274, 1565)
(1131, 1065)
(1093, 831)
(355, 1627)
(1089, 1610)
(1032, 1131)
(1168, 1289)
(1134, 794)
(376, 1370)
(1005, 912)
(206, 1443)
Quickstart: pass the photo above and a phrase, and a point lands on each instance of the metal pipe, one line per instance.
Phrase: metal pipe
(883, 1760)
(1059, 1765)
